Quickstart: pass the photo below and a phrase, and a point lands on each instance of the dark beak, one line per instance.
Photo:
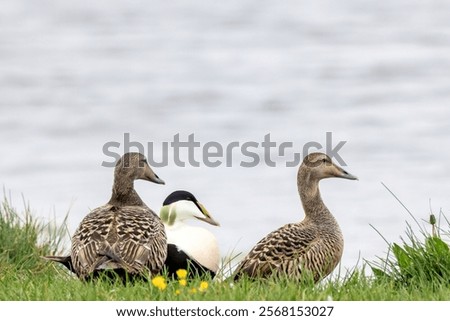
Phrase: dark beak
(151, 176)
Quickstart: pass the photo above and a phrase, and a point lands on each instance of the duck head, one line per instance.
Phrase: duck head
(134, 166)
(182, 205)
(319, 166)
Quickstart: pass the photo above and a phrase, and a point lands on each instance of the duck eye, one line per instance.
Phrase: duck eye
(142, 162)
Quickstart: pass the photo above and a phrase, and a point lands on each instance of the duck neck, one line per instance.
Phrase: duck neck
(123, 193)
(177, 225)
(308, 189)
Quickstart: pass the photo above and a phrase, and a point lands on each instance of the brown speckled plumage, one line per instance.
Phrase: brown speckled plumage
(124, 236)
(127, 237)
(314, 244)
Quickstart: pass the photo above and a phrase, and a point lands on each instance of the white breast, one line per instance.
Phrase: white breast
(198, 243)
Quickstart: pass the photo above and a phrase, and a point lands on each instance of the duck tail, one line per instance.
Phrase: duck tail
(64, 260)
(110, 260)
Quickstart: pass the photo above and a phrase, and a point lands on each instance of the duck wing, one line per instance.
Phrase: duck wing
(283, 250)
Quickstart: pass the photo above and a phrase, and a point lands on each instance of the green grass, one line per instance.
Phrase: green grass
(412, 270)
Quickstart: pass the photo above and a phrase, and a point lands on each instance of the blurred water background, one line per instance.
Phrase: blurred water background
(75, 75)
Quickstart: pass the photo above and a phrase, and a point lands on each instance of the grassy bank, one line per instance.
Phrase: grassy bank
(417, 269)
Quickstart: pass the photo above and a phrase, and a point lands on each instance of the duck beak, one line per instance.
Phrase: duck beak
(347, 175)
(207, 217)
(157, 180)
(150, 175)
(344, 174)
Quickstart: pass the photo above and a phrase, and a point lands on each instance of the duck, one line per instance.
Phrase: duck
(124, 237)
(192, 248)
(312, 247)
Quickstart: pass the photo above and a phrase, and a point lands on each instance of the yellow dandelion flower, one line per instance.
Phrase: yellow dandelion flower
(182, 274)
(159, 282)
(203, 286)
(177, 292)
(182, 282)
(193, 290)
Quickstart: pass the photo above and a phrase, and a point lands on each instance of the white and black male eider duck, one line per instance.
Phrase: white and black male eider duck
(124, 236)
(314, 244)
(189, 247)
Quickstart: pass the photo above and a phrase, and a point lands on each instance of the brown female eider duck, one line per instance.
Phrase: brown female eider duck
(123, 237)
(314, 245)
